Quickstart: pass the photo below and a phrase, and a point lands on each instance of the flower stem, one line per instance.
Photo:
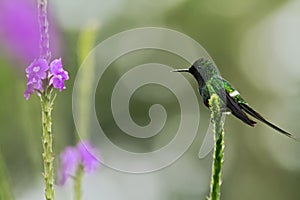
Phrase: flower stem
(77, 184)
(216, 181)
(48, 157)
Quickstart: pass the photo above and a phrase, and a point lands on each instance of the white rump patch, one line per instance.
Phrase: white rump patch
(234, 93)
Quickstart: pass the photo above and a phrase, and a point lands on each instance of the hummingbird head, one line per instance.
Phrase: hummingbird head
(202, 70)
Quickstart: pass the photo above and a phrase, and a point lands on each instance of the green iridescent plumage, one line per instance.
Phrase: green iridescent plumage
(211, 82)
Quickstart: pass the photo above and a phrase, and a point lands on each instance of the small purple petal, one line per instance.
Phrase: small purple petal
(38, 62)
(29, 90)
(38, 85)
(57, 82)
(56, 66)
(64, 75)
(88, 155)
(32, 85)
(59, 75)
(69, 161)
(38, 68)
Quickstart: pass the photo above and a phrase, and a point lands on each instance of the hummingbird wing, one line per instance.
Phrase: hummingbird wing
(222, 89)
(237, 111)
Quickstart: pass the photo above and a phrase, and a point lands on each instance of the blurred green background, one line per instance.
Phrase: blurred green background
(255, 45)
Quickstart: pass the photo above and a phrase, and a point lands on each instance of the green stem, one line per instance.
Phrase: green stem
(216, 181)
(77, 184)
(47, 140)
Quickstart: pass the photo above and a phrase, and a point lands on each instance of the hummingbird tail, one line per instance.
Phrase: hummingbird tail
(256, 115)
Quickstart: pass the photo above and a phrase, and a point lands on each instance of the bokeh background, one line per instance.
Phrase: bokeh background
(255, 45)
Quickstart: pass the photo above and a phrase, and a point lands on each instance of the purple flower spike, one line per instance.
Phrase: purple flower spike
(84, 154)
(69, 160)
(59, 75)
(88, 155)
(39, 70)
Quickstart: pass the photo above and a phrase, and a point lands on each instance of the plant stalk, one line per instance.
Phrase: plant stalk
(47, 140)
(218, 159)
(77, 183)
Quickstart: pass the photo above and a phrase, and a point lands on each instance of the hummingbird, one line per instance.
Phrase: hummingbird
(210, 81)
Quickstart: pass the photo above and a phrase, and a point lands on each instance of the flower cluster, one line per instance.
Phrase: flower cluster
(39, 70)
(84, 154)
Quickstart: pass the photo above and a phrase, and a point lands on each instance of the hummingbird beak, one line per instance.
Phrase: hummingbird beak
(180, 70)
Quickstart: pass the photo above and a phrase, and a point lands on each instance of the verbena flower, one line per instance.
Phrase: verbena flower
(88, 156)
(69, 160)
(35, 72)
(84, 154)
(39, 75)
(34, 84)
(39, 70)
(59, 75)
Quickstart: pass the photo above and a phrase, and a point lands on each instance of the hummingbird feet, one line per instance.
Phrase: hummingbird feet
(225, 111)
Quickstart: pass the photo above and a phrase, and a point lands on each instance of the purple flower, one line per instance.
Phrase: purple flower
(37, 71)
(59, 75)
(69, 161)
(29, 90)
(34, 84)
(88, 155)
(84, 154)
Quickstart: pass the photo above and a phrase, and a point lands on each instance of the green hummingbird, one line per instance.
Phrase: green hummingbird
(210, 82)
